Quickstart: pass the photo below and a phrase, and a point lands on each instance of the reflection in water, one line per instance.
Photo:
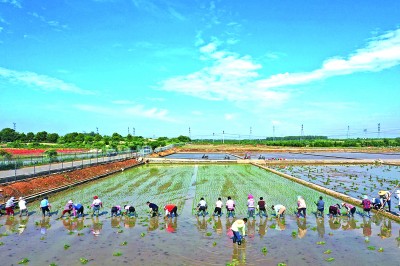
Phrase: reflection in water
(262, 227)
(153, 224)
(130, 222)
(228, 225)
(251, 228)
(22, 224)
(281, 225)
(321, 227)
(115, 221)
(218, 225)
(334, 223)
(302, 227)
(79, 224)
(239, 253)
(367, 229)
(97, 226)
(201, 224)
(171, 225)
(11, 224)
(349, 224)
(386, 229)
(44, 225)
(69, 224)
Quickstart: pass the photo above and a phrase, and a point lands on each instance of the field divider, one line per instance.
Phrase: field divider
(38, 195)
(327, 191)
(187, 207)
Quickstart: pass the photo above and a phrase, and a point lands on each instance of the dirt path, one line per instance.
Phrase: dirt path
(187, 207)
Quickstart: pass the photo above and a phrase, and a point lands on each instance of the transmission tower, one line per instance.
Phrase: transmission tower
(15, 125)
(302, 132)
(348, 131)
(273, 133)
(133, 131)
(190, 134)
(250, 133)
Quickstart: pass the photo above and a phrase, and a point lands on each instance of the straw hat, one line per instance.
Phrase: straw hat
(365, 197)
(382, 192)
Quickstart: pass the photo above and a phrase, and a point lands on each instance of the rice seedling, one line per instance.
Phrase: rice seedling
(371, 247)
(23, 261)
(330, 259)
(328, 251)
(117, 254)
(124, 243)
(66, 246)
(83, 260)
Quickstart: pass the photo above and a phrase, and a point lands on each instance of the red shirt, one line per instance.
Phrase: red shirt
(169, 207)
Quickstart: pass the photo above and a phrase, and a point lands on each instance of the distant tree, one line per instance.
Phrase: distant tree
(52, 154)
(30, 137)
(5, 155)
(70, 137)
(52, 138)
(8, 135)
(129, 137)
(116, 137)
(184, 138)
(41, 136)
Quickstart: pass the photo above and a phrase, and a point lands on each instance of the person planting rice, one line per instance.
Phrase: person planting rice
(366, 203)
(279, 210)
(301, 206)
(261, 207)
(350, 209)
(320, 207)
(77, 209)
(96, 205)
(153, 209)
(218, 207)
(376, 203)
(115, 210)
(45, 206)
(250, 206)
(68, 208)
(202, 207)
(170, 210)
(385, 198)
(10, 206)
(129, 210)
(334, 210)
(397, 196)
(230, 207)
(238, 229)
(22, 206)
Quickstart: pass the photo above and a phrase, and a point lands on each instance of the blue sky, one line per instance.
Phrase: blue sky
(248, 68)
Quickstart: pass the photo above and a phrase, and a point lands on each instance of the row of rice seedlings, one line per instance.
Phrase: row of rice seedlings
(238, 181)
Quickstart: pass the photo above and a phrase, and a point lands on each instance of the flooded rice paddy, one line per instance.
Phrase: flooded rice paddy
(188, 240)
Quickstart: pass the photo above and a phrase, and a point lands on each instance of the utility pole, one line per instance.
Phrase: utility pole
(213, 137)
(348, 131)
(302, 132)
(97, 130)
(190, 134)
(223, 136)
(379, 130)
(15, 125)
(273, 133)
(128, 130)
(250, 133)
(133, 131)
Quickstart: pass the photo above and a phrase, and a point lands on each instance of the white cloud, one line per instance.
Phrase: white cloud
(15, 3)
(128, 111)
(39, 81)
(52, 23)
(229, 76)
(1, 29)
(229, 117)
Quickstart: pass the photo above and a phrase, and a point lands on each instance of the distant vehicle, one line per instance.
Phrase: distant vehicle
(109, 154)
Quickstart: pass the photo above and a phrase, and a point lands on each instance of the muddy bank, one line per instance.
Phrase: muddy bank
(50, 182)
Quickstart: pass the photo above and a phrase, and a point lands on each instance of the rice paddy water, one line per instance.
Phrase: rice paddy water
(188, 240)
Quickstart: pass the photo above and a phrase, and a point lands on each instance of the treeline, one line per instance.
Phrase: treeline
(311, 141)
(43, 139)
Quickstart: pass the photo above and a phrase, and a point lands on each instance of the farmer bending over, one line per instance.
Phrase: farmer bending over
(238, 229)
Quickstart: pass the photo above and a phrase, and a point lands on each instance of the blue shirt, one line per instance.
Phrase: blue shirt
(77, 206)
(320, 204)
(44, 203)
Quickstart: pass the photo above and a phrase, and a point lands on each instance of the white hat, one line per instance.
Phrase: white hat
(70, 202)
(20, 198)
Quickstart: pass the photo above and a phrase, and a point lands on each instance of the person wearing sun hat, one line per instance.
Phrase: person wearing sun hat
(22, 206)
(10, 206)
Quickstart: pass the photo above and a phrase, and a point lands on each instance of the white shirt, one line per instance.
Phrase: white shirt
(219, 204)
(22, 204)
(202, 203)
